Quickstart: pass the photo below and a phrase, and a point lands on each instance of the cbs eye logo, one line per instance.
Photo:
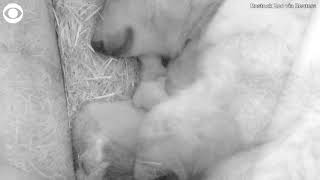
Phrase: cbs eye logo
(12, 13)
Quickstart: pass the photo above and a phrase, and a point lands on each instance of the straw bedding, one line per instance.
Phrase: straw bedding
(89, 76)
(34, 132)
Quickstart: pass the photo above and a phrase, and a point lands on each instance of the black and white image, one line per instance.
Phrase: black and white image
(159, 90)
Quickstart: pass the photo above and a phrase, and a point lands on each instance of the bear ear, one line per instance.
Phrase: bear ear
(153, 171)
(168, 175)
(97, 46)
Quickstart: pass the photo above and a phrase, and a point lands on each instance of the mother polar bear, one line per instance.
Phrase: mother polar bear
(232, 82)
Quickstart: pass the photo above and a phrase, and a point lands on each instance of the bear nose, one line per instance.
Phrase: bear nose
(98, 46)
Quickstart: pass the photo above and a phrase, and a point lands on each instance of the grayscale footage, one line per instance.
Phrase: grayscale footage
(159, 90)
